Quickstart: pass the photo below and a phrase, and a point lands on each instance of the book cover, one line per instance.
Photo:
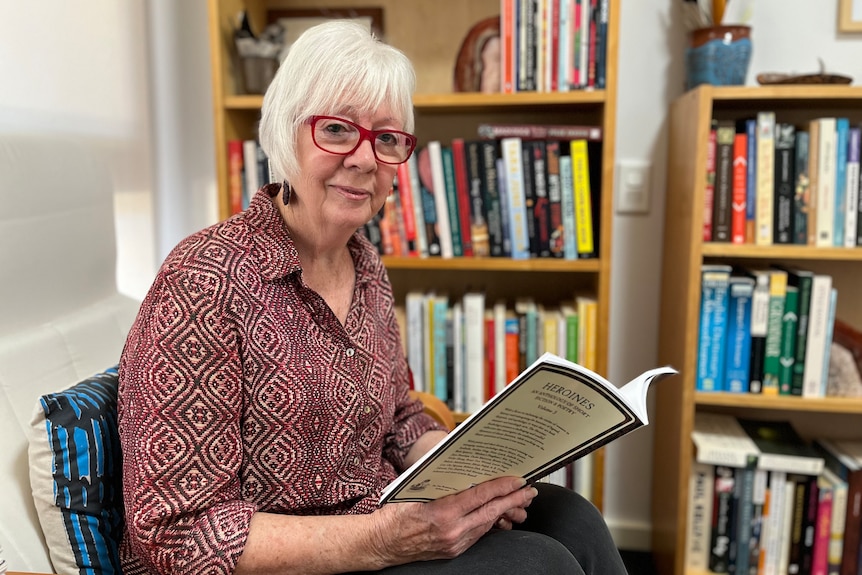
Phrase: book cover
(813, 185)
(418, 207)
(500, 381)
(586, 409)
(722, 519)
(430, 211)
(759, 327)
(490, 153)
(700, 491)
(583, 199)
(567, 203)
(815, 349)
(751, 179)
(709, 186)
(826, 175)
(851, 208)
(802, 281)
(541, 202)
(474, 349)
(772, 348)
(723, 195)
(739, 193)
(405, 195)
(462, 195)
(715, 280)
(765, 177)
(842, 127)
(555, 199)
(741, 290)
(517, 214)
(801, 191)
(787, 355)
(783, 190)
(452, 201)
(235, 177)
(478, 212)
(529, 175)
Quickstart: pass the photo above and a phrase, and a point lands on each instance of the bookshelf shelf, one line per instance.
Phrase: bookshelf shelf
(430, 34)
(684, 254)
(816, 405)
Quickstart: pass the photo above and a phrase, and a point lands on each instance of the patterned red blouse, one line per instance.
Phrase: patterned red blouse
(241, 391)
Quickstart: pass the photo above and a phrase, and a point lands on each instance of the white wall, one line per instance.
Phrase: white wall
(137, 75)
(81, 68)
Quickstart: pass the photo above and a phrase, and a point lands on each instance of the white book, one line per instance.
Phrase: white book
(441, 206)
(786, 527)
(699, 524)
(583, 471)
(721, 440)
(564, 65)
(418, 210)
(775, 521)
(851, 196)
(499, 346)
(458, 361)
(765, 178)
(517, 216)
(416, 311)
(250, 170)
(585, 43)
(815, 347)
(474, 350)
(826, 174)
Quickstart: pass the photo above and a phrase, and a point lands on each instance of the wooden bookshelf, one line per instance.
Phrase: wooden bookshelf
(685, 252)
(430, 34)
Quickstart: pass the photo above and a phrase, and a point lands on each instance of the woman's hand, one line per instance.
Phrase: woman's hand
(447, 527)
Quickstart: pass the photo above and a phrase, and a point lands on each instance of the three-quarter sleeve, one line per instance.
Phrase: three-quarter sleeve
(180, 406)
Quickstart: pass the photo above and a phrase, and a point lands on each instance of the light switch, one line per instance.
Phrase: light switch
(633, 186)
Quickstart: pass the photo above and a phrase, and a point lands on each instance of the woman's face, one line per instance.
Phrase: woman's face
(346, 191)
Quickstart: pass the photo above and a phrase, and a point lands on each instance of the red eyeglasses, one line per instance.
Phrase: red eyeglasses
(343, 137)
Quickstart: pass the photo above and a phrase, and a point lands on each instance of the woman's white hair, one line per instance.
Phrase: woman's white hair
(330, 67)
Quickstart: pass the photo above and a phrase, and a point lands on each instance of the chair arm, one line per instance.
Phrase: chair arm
(435, 408)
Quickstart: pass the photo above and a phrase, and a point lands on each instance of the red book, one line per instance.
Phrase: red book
(555, 45)
(709, 188)
(507, 52)
(462, 192)
(405, 193)
(739, 189)
(490, 366)
(234, 172)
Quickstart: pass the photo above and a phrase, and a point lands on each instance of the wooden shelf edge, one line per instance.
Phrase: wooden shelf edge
(786, 252)
(784, 92)
(467, 101)
(494, 264)
(780, 402)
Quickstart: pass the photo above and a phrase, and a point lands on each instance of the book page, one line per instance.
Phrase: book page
(553, 413)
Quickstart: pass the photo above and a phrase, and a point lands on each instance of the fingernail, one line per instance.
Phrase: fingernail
(520, 482)
(533, 492)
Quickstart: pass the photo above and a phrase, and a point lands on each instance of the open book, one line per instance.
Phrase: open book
(553, 413)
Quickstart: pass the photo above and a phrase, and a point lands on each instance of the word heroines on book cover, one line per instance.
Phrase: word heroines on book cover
(553, 413)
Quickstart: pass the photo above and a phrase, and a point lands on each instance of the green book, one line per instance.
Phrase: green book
(787, 358)
(802, 280)
(772, 352)
(452, 200)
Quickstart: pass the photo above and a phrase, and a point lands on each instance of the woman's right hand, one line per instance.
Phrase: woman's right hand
(445, 528)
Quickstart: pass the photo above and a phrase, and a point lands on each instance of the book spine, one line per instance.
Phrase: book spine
(517, 215)
(540, 132)
(418, 208)
(759, 328)
(709, 188)
(751, 180)
(499, 312)
(235, 184)
(701, 488)
(842, 127)
(739, 192)
(818, 316)
(452, 215)
(474, 348)
(415, 304)
(782, 222)
(802, 189)
(583, 201)
(822, 529)
(528, 171)
(490, 152)
(721, 209)
(462, 194)
(507, 49)
(567, 203)
(713, 316)
(440, 311)
(765, 177)
(250, 170)
(405, 194)
(719, 557)
(601, 45)
(852, 193)
(813, 180)
(541, 207)
(741, 290)
(772, 349)
(803, 283)
(826, 175)
(787, 357)
(555, 198)
(430, 209)
(479, 233)
(744, 513)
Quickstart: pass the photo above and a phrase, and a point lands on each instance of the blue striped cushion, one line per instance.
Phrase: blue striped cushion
(81, 512)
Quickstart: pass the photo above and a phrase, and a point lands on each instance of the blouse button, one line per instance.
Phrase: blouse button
(350, 352)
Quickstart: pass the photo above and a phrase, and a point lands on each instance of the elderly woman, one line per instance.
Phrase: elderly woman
(263, 392)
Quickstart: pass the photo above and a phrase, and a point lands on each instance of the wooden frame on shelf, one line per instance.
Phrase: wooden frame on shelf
(850, 15)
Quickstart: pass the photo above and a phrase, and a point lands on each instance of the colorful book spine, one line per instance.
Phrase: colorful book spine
(765, 177)
(783, 217)
(818, 318)
(462, 194)
(715, 281)
(772, 349)
(759, 328)
(721, 209)
(235, 178)
(751, 180)
(739, 192)
(709, 187)
(801, 189)
(801, 280)
(741, 290)
(517, 216)
(453, 209)
(842, 127)
(583, 200)
(851, 209)
(787, 357)
(826, 175)
(567, 203)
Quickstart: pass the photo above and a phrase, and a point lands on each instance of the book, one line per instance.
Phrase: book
(723, 194)
(765, 177)
(842, 127)
(463, 196)
(844, 458)
(452, 202)
(738, 340)
(540, 132)
(781, 448)
(759, 327)
(478, 209)
(787, 354)
(715, 283)
(513, 164)
(818, 323)
(772, 349)
(433, 155)
(826, 176)
(700, 492)
(709, 186)
(783, 191)
(739, 187)
(583, 200)
(555, 200)
(722, 520)
(802, 281)
(235, 177)
(751, 179)
(801, 189)
(851, 213)
(569, 411)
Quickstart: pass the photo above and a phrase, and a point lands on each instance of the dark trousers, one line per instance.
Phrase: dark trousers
(564, 535)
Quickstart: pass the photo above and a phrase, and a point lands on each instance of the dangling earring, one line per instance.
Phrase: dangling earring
(286, 192)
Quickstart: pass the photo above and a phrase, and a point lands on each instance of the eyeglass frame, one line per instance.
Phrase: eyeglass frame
(364, 134)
